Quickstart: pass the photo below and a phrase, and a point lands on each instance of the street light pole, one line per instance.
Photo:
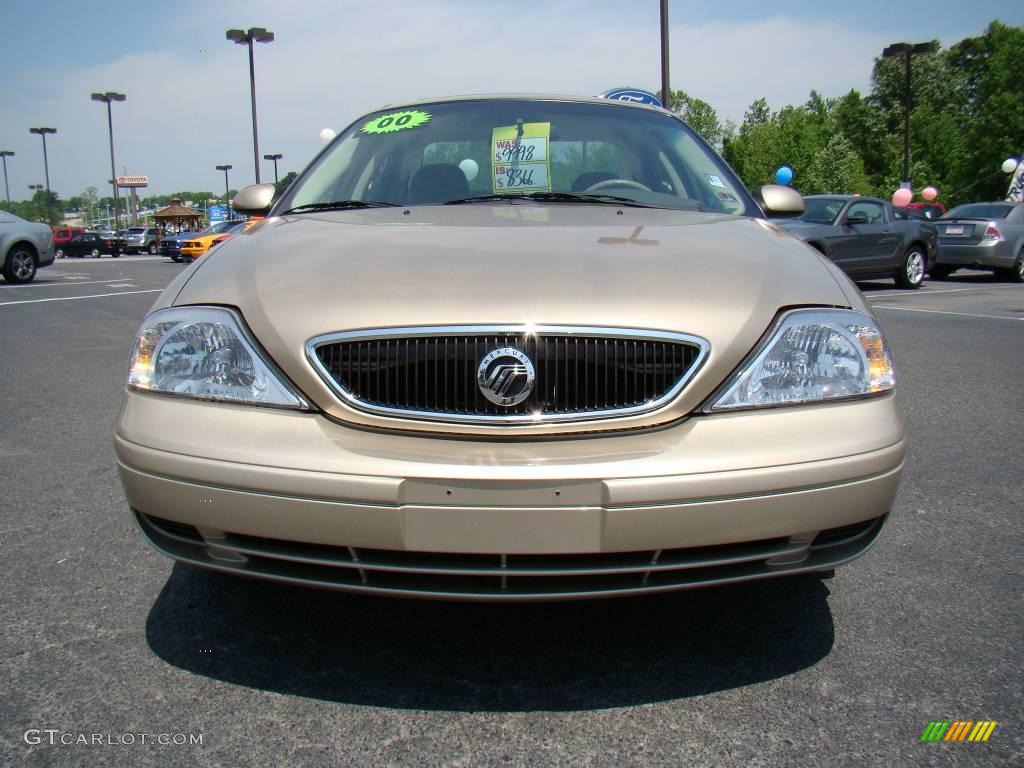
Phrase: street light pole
(275, 158)
(5, 153)
(665, 92)
(907, 51)
(248, 37)
(108, 97)
(227, 203)
(46, 163)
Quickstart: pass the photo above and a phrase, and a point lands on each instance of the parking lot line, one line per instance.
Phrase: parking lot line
(66, 285)
(919, 293)
(944, 312)
(940, 291)
(77, 298)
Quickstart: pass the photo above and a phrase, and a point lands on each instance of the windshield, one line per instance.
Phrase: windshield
(979, 211)
(438, 153)
(821, 210)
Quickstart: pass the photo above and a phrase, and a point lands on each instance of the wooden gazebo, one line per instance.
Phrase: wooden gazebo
(176, 218)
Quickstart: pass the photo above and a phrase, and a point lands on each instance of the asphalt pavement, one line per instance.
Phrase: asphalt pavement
(109, 650)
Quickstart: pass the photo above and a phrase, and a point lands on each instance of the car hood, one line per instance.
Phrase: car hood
(719, 277)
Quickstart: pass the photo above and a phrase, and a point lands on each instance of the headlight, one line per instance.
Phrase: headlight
(812, 356)
(206, 353)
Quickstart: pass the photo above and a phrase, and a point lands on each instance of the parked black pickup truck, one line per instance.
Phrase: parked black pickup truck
(865, 237)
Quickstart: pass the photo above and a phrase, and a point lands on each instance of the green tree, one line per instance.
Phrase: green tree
(282, 185)
(988, 76)
(757, 113)
(836, 168)
(699, 115)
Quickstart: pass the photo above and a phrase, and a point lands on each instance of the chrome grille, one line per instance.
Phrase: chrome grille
(580, 372)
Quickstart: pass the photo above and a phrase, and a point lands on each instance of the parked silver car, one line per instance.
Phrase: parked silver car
(982, 236)
(142, 240)
(24, 247)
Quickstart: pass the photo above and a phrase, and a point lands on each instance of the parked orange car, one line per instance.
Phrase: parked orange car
(200, 243)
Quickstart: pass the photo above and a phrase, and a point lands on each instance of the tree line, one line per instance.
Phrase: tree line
(49, 207)
(965, 121)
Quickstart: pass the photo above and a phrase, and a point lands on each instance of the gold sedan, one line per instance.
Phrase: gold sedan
(512, 348)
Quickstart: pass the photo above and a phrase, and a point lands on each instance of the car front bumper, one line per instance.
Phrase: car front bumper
(716, 499)
(998, 254)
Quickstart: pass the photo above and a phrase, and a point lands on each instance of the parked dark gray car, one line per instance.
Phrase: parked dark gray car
(24, 247)
(864, 237)
(982, 236)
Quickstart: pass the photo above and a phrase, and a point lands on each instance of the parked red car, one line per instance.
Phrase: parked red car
(62, 236)
(930, 210)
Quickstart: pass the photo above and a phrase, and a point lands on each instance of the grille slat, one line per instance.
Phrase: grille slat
(435, 375)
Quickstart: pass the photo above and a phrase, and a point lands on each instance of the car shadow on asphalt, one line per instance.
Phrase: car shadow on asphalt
(412, 654)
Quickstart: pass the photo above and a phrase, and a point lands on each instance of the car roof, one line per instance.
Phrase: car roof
(524, 97)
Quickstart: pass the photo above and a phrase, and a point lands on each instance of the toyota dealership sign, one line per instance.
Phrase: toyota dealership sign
(133, 181)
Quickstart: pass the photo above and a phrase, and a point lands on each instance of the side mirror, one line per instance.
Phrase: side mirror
(776, 200)
(857, 218)
(254, 200)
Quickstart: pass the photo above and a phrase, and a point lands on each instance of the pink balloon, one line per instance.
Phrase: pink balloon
(929, 193)
(901, 197)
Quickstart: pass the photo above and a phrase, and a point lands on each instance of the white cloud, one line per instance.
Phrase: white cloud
(188, 111)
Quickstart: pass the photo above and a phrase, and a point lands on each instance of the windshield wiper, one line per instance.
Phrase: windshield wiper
(553, 197)
(339, 205)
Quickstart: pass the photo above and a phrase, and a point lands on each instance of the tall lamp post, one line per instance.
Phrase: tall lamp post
(5, 153)
(248, 37)
(46, 163)
(665, 92)
(275, 158)
(108, 98)
(227, 203)
(906, 51)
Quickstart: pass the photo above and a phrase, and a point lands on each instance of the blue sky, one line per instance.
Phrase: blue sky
(188, 99)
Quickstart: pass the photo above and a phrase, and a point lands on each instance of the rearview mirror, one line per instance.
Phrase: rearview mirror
(254, 200)
(857, 218)
(776, 200)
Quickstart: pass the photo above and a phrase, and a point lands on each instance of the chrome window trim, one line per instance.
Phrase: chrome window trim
(703, 351)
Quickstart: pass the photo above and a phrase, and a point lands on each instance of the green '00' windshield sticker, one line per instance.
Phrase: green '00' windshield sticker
(396, 121)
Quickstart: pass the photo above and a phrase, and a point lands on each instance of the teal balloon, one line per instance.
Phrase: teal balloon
(784, 175)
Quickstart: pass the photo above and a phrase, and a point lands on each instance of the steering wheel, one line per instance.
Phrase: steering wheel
(613, 183)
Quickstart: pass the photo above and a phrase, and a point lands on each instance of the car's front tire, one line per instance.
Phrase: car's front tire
(912, 268)
(21, 265)
(152, 249)
(95, 253)
(59, 253)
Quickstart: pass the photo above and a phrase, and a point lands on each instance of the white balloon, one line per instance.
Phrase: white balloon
(326, 135)
(1010, 165)
(470, 168)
